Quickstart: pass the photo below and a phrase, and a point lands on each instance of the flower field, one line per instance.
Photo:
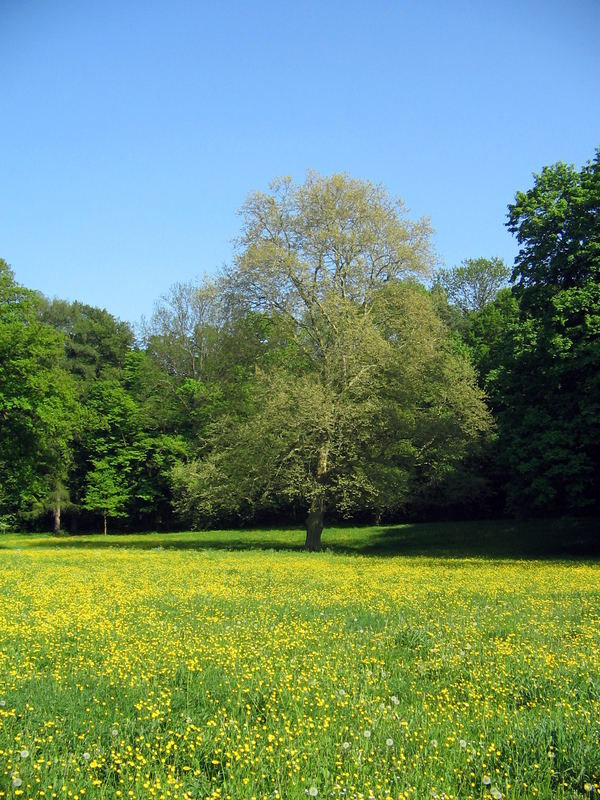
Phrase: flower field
(203, 673)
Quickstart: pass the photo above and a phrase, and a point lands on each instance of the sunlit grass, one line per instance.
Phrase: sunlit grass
(132, 671)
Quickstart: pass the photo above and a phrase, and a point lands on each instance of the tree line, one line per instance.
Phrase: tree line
(329, 370)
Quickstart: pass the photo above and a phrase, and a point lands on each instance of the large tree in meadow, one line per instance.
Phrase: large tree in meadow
(371, 396)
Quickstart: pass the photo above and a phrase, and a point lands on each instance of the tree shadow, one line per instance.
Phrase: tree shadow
(562, 539)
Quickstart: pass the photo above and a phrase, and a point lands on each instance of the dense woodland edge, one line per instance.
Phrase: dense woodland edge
(331, 372)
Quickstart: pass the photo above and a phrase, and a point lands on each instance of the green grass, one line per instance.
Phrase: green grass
(418, 661)
(539, 539)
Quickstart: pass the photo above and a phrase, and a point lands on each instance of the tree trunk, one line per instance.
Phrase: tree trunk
(57, 518)
(314, 526)
(314, 520)
(105, 523)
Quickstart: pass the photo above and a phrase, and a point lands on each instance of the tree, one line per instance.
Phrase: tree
(547, 388)
(96, 344)
(368, 401)
(405, 419)
(182, 342)
(109, 432)
(474, 284)
(54, 500)
(556, 225)
(37, 402)
(106, 490)
(486, 335)
(124, 415)
(183, 328)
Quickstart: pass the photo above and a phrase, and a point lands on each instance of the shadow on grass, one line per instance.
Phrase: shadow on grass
(550, 539)
(564, 539)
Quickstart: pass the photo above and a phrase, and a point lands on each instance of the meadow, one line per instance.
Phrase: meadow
(410, 662)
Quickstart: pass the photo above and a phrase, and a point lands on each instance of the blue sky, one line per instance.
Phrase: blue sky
(132, 132)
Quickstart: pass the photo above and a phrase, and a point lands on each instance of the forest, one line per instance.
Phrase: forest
(332, 371)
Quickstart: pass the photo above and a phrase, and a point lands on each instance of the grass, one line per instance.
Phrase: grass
(407, 662)
(562, 538)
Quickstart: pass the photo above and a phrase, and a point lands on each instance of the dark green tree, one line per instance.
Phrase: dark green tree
(556, 225)
(96, 343)
(486, 335)
(121, 441)
(547, 390)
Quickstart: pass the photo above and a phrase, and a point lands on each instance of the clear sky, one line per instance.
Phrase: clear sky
(133, 130)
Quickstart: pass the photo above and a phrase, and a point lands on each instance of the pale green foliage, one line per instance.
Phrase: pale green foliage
(182, 328)
(378, 398)
(331, 236)
(391, 404)
(475, 283)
